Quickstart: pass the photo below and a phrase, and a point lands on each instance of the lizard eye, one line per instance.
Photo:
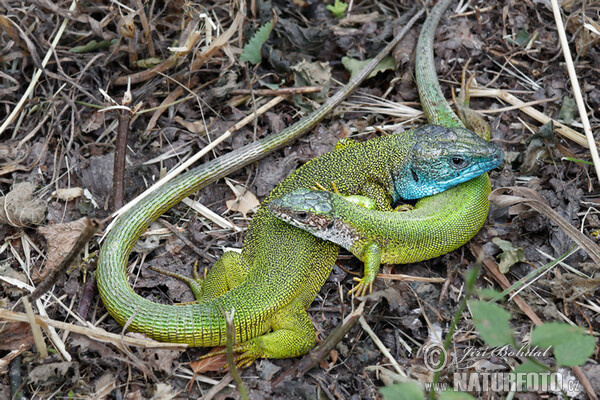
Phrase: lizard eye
(301, 215)
(458, 162)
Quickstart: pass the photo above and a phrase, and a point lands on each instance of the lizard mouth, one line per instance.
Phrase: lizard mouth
(474, 170)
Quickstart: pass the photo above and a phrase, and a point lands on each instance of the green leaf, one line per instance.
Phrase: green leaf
(470, 277)
(489, 293)
(570, 344)
(510, 254)
(403, 391)
(542, 374)
(567, 110)
(492, 323)
(448, 395)
(338, 8)
(272, 86)
(148, 62)
(251, 52)
(577, 160)
(93, 45)
(522, 37)
(355, 66)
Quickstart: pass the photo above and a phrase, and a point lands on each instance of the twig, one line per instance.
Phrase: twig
(229, 351)
(576, 89)
(93, 333)
(192, 160)
(146, 27)
(38, 73)
(277, 92)
(124, 118)
(501, 279)
(381, 346)
(182, 237)
(38, 338)
(532, 112)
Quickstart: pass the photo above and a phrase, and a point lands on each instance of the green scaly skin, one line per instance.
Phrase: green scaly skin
(435, 226)
(280, 270)
(257, 309)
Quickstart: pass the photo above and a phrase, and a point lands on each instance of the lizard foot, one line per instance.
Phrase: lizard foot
(364, 286)
(318, 186)
(195, 283)
(404, 207)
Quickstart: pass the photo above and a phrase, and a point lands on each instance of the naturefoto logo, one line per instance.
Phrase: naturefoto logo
(436, 358)
(466, 375)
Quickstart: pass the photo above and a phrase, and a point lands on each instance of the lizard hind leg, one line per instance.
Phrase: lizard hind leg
(292, 335)
(226, 273)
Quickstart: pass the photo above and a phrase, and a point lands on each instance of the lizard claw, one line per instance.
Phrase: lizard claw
(404, 207)
(363, 286)
(318, 186)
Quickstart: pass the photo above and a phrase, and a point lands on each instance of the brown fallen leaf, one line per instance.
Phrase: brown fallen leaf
(215, 363)
(15, 334)
(244, 203)
(60, 239)
(20, 209)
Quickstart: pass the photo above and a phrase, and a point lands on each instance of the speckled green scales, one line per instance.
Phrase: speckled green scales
(281, 268)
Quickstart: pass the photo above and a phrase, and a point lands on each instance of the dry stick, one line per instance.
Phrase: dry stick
(381, 346)
(277, 92)
(182, 237)
(38, 338)
(576, 90)
(146, 27)
(37, 74)
(219, 42)
(532, 112)
(537, 202)
(193, 159)
(230, 342)
(94, 333)
(124, 118)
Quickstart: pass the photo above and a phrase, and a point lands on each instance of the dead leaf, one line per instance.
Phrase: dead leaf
(20, 209)
(104, 386)
(60, 239)
(53, 373)
(266, 370)
(160, 359)
(164, 392)
(324, 364)
(215, 363)
(15, 334)
(245, 203)
(68, 194)
(196, 127)
(510, 254)
(95, 121)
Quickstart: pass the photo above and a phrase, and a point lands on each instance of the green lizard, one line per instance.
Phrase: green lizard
(281, 268)
(435, 226)
(203, 323)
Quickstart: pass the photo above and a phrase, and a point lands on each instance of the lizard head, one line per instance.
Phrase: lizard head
(315, 211)
(442, 158)
(303, 208)
(310, 210)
